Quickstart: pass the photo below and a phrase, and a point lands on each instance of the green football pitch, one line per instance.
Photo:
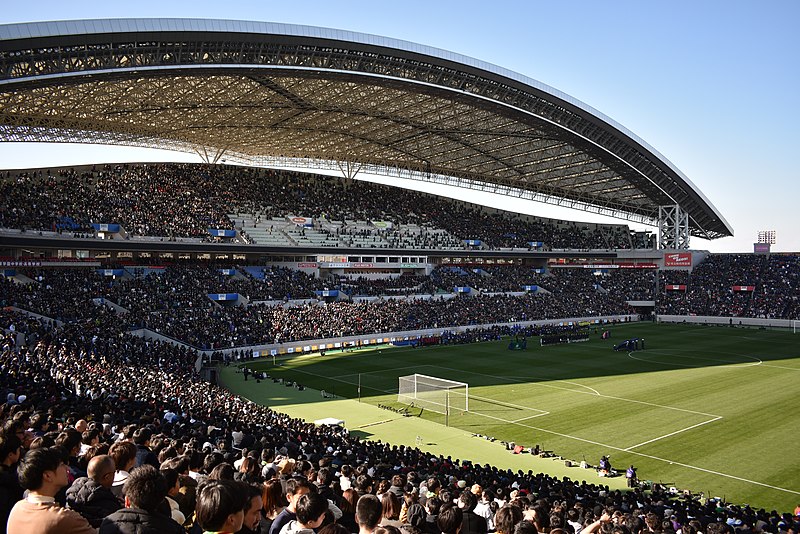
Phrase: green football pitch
(709, 409)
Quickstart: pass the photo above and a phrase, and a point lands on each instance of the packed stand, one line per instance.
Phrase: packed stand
(186, 200)
(169, 200)
(778, 293)
(634, 284)
(709, 288)
(263, 324)
(174, 302)
(104, 434)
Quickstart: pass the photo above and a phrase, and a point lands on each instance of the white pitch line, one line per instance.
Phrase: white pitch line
(516, 421)
(508, 378)
(725, 363)
(545, 430)
(611, 447)
(687, 466)
(658, 405)
(382, 370)
(504, 403)
(338, 379)
(734, 477)
(583, 386)
(672, 433)
(780, 367)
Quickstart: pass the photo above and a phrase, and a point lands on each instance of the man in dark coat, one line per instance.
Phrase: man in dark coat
(91, 496)
(147, 511)
(144, 455)
(398, 485)
(471, 522)
(10, 489)
(432, 506)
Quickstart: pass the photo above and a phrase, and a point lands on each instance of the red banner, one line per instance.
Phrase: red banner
(678, 259)
(675, 288)
(744, 288)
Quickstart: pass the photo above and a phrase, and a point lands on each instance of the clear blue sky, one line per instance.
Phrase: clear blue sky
(712, 85)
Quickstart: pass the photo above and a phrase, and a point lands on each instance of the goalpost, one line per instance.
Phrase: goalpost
(436, 394)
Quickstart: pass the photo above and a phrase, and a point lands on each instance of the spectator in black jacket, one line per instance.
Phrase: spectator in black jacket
(91, 496)
(144, 456)
(450, 519)
(10, 489)
(471, 522)
(147, 511)
(432, 506)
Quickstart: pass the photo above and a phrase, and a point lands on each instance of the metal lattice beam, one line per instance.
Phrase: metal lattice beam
(254, 91)
(673, 228)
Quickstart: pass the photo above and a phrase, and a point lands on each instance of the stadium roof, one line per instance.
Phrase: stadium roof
(281, 94)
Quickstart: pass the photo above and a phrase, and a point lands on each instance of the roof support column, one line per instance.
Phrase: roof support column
(211, 157)
(673, 228)
(349, 170)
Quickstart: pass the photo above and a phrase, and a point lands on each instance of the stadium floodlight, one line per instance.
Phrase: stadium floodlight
(767, 236)
(431, 393)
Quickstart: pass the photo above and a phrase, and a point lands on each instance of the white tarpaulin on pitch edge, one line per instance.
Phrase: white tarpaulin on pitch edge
(329, 421)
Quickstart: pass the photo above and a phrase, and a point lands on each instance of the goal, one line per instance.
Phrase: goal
(436, 394)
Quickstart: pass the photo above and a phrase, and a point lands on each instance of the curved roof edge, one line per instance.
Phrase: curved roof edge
(33, 30)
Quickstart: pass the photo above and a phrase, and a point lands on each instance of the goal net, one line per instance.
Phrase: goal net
(436, 394)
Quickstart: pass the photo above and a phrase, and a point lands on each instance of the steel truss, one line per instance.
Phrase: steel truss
(673, 228)
(255, 98)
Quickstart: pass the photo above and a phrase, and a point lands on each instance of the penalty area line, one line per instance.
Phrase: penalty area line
(717, 418)
(594, 392)
(515, 421)
(652, 457)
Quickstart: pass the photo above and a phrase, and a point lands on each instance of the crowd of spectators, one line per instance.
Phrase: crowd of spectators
(174, 301)
(151, 200)
(186, 200)
(778, 292)
(286, 305)
(94, 415)
(193, 457)
(265, 324)
(769, 287)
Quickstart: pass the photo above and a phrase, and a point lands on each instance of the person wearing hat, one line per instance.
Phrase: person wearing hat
(286, 466)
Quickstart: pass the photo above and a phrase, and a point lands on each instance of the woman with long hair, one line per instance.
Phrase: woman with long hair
(274, 501)
(507, 518)
(348, 506)
(391, 510)
(250, 471)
